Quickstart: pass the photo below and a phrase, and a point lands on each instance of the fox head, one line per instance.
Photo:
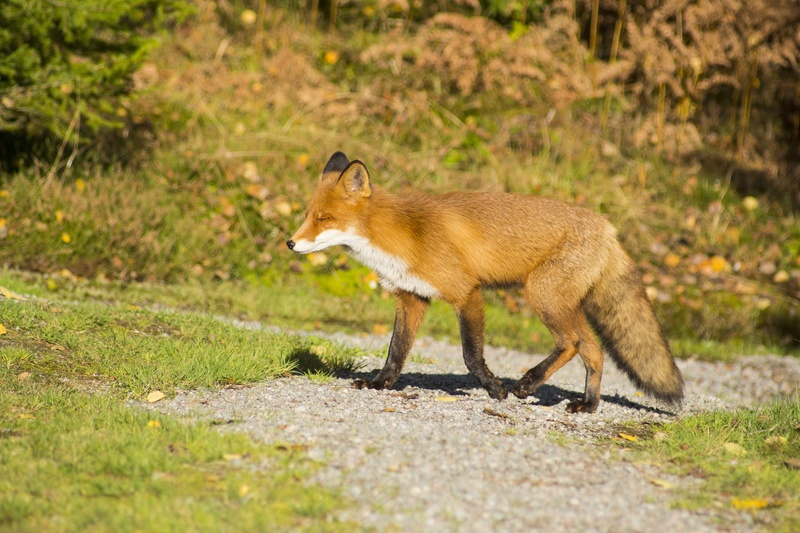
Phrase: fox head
(334, 215)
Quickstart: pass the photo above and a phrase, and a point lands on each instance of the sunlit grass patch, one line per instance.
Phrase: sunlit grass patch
(139, 350)
(71, 461)
(74, 457)
(748, 460)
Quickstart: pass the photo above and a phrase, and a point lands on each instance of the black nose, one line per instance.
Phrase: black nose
(290, 244)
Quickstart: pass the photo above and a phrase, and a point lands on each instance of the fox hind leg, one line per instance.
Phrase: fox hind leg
(592, 355)
(563, 352)
(555, 296)
(575, 341)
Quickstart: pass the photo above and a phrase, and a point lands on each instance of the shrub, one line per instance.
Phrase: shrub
(66, 68)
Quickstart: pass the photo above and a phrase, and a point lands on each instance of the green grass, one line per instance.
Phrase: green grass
(75, 457)
(741, 457)
(71, 461)
(339, 301)
(140, 350)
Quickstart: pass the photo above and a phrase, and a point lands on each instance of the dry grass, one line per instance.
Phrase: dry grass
(240, 124)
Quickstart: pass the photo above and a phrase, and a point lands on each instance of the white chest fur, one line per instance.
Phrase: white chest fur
(391, 269)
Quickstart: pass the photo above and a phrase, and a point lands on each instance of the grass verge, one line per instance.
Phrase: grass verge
(74, 457)
(748, 460)
(339, 301)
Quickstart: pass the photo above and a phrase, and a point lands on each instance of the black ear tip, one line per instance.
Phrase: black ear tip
(337, 163)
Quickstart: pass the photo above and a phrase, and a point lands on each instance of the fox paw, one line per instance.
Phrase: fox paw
(523, 389)
(580, 406)
(364, 384)
(497, 392)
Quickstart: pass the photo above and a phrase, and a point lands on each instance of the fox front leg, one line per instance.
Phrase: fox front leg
(410, 311)
(471, 322)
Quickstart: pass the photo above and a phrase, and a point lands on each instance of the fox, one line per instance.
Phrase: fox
(567, 260)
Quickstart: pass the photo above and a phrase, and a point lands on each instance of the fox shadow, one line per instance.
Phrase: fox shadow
(457, 385)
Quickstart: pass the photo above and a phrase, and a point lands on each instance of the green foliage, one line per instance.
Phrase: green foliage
(154, 351)
(746, 458)
(66, 69)
(75, 457)
(71, 461)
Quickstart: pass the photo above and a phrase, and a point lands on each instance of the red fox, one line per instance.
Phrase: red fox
(567, 259)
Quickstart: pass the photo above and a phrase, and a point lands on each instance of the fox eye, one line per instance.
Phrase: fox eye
(323, 218)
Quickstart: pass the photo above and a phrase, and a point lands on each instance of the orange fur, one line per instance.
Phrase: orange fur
(449, 246)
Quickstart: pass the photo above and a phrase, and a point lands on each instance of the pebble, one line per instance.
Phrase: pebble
(408, 461)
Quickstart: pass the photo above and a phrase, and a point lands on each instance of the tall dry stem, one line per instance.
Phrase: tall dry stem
(750, 83)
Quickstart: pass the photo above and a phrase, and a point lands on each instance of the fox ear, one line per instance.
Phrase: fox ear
(337, 163)
(355, 180)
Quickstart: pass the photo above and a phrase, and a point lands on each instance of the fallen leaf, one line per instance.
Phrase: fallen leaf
(492, 412)
(734, 449)
(719, 264)
(319, 350)
(389, 410)
(302, 160)
(283, 208)
(231, 456)
(250, 169)
(3, 329)
(671, 260)
(22, 376)
(248, 17)
(243, 490)
(153, 424)
(155, 396)
(26, 416)
(331, 57)
(511, 304)
(632, 438)
(447, 399)
(660, 483)
(380, 329)
(227, 208)
(11, 295)
(257, 191)
(767, 268)
(775, 441)
(371, 279)
(750, 203)
(762, 303)
(781, 276)
(749, 504)
(317, 258)
(638, 394)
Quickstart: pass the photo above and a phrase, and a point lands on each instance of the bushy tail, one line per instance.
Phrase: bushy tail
(620, 312)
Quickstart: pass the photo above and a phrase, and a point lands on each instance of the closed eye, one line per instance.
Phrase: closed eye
(323, 219)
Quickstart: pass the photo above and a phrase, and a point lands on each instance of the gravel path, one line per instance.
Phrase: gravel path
(436, 454)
